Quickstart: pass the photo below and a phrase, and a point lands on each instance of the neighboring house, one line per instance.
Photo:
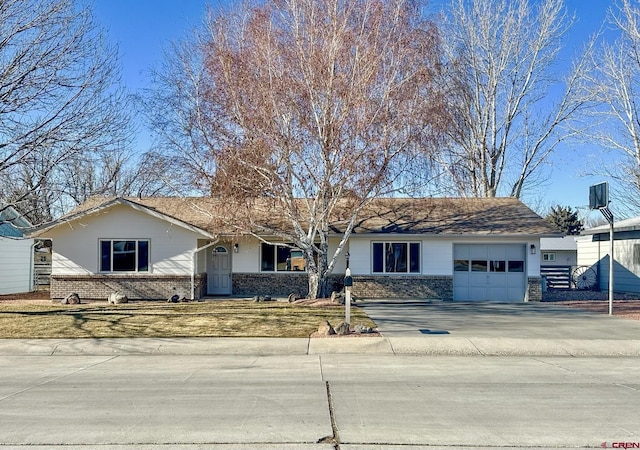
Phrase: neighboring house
(593, 252)
(16, 264)
(451, 249)
(559, 251)
(558, 259)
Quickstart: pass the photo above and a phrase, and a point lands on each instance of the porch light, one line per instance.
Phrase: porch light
(236, 247)
(346, 257)
(533, 249)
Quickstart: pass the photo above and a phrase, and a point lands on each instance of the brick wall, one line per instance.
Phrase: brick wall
(534, 289)
(283, 284)
(277, 284)
(436, 287)
(135, 287)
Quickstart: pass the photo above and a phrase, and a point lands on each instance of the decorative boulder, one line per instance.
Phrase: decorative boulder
(71, 299)
(325, 329)
(337, 297)
(293, 297)
(117, 298)
(362, 329)
(342, 329)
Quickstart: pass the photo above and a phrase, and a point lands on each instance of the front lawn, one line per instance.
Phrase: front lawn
(234, 318)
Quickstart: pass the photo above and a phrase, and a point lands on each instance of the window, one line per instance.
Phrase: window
(396, 257)
(497, 266)
(516, 266)
(481, 265)
(124, 256)
(549, 257)
(281, 258)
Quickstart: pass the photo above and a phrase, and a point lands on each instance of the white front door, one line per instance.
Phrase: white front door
(219, 271)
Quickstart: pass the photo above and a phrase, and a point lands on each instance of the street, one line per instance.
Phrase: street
(347, 402)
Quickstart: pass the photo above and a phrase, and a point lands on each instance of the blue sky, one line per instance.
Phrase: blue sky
(143, 28)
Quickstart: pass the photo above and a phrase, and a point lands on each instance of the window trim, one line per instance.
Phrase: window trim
(408, 255)
(137, 255)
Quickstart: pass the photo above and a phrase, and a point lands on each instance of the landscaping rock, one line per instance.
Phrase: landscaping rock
(337, 297)
(71, 299)
(325, 329)
(362, 329)
(262, 298)
(342, 329)
(293, 297)
(175, 298)
(117, 298)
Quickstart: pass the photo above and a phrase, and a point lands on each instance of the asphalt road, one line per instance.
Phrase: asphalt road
(345, 402)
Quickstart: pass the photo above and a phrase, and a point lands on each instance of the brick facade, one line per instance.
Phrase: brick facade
(283, 284)
(434, 287)
(135, 287)
(277, 284)
(534, 289)
(249, 284)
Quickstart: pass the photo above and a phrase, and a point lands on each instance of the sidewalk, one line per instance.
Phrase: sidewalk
(384, 345)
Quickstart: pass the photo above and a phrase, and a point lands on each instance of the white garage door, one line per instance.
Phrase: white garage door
(489, 272)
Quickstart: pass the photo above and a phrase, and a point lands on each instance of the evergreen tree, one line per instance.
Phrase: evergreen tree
(564, 219)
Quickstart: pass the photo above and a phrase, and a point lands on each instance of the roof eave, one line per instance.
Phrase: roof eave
(40, 231)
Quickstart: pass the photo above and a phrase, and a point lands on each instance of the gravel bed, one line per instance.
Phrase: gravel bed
(562, 295)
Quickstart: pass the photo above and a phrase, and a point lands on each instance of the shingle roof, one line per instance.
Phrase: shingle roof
(445, 216)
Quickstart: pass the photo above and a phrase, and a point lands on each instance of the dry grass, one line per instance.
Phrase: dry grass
(27, 319)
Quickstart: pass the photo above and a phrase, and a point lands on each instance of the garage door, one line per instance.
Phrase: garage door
(489, 272)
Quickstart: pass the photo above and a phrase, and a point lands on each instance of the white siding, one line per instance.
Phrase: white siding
(437, 253)
(247, 259)
(15, 265)
(76, 246)
(437, 257)
(360, 255)
(626, 275)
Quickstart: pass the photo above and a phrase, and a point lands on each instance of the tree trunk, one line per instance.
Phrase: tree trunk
(318, 285)
(318, 276)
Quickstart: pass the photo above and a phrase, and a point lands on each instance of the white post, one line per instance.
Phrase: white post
(347, 300)
(611, 267)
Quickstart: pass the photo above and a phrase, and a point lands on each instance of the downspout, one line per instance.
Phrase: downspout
(194, 264)
(32, 260)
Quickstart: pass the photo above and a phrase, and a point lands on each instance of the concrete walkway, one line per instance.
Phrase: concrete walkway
(407, 328)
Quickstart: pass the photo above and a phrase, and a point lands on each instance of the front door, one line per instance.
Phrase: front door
(219, 271)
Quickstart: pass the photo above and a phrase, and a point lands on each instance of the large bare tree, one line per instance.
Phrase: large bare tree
(306, 107)
(615, 81)
(502, 57)
(59, 100)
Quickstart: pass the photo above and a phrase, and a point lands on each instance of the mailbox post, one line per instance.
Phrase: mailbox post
(348, 282)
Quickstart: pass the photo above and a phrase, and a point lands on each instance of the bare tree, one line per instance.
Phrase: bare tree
(177, 111)
(500, 78)
(307, 108)
(59, 98)
(615, 81)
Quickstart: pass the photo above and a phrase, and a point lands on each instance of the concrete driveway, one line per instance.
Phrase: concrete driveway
(411, 318)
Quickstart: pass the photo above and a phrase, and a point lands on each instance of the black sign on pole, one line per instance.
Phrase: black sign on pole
(599, 195)
(599, 199)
